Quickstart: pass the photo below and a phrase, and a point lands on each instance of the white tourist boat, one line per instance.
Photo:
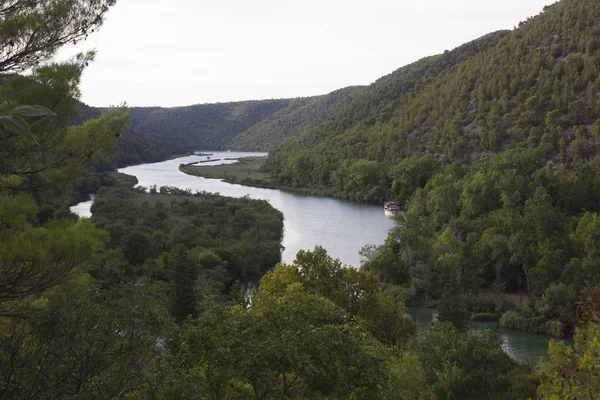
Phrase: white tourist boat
(391, 209)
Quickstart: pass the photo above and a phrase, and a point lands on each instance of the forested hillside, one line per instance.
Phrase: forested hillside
(203, 126)
(246, 125)
(132, 147)
(290, 121)
(494, 158)
(536, 84)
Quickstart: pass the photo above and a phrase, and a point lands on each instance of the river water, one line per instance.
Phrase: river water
(341, 227)
(522, 346)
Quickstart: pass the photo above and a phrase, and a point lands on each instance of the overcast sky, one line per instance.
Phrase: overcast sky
(181, 52)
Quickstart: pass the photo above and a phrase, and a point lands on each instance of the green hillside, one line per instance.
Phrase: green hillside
(535, 84)
(290, 121)
(492, 151)
(245, 125)
(132, 148)
(203, 126)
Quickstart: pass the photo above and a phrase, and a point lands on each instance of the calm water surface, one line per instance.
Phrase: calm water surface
(83, 209)
(522, 346)
(341, 227)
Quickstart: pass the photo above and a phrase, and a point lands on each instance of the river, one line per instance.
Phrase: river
(341, 227)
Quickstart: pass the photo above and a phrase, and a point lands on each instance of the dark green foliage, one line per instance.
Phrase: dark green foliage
(514, 221)
(524, 322)
(307, 335)
(411, 174)
(132, 148)
(573, 373)
(551, 313)
(92, 182)
(87, 343)
(203, 126)
(534, 85)
(471, 366)
(184, 296)
(247, 125)
(290, 121)
(228, 239)
(293, 345)
(382, 315)
(136, 148)
(138, 247)
(485, 317)
(452, 307)
(496, 304)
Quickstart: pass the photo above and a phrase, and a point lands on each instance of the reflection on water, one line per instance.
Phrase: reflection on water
(341, 227)
(522, 346)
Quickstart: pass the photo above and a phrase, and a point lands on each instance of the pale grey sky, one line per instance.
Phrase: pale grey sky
(181, 52)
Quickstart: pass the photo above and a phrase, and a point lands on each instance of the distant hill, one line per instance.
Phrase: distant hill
(290, 121)
(537, 84)
(244, 125)
(204, 126)
(133, 148)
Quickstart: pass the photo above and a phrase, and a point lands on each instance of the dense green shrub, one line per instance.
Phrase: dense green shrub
(485, 317)
(527, 322)
(493, 305)
(554, 328)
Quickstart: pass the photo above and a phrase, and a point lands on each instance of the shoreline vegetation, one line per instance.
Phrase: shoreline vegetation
(249, 171)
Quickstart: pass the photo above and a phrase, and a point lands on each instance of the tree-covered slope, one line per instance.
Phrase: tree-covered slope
(535, 84)
(290, 121)
(132, 148)
(495, 163)
(203, 126)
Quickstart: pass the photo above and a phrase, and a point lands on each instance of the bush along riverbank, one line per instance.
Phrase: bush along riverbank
(249, 171)
(552, 313)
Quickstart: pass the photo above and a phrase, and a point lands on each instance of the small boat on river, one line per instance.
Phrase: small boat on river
(391, 209)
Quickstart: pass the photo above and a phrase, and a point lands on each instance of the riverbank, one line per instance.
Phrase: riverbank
(247, 168)
(248, 172)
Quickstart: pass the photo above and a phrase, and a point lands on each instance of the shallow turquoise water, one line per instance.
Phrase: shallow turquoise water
(522, 346)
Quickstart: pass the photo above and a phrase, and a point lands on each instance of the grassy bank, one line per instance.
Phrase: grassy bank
(248, 172)
(248, 168)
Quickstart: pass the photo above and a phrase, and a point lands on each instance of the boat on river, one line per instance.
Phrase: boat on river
(391, 209)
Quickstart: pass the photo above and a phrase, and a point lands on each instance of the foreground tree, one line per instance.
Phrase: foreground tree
(290, 345)
(40, 159)
(356, 291)
(574, 373)
(31, 31)
(61, 336)
(83, 342)
(470, 365)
